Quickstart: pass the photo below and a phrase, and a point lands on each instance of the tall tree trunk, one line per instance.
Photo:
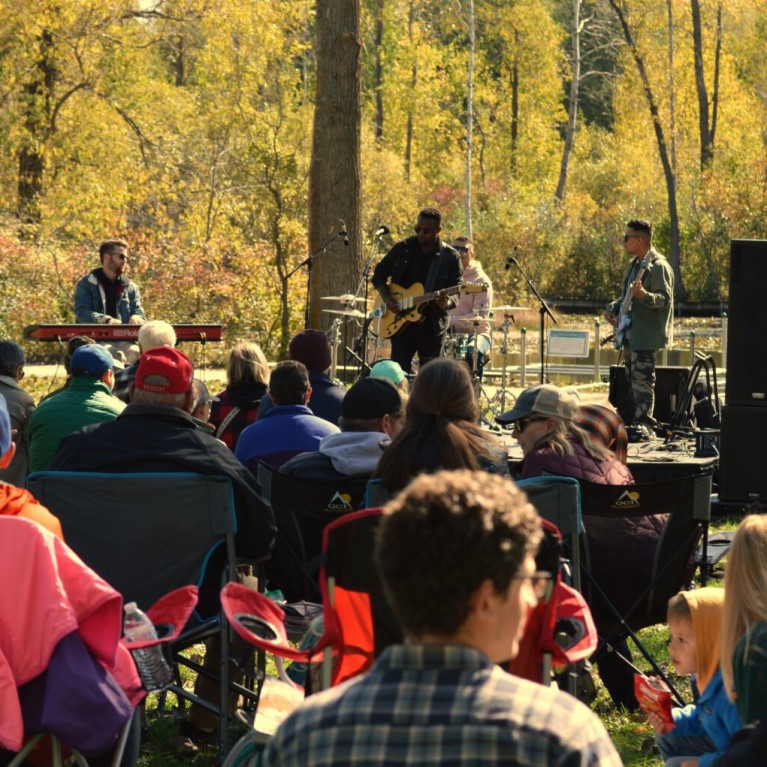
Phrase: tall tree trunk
(572, 113)
(680, 293)
(379, 128)
(413, 85)
(707, 128)
(671, 89)
(334, 175)
(37, 123)
(469, 118)
(514, 106)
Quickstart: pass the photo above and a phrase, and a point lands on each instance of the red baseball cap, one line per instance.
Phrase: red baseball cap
(171, 364)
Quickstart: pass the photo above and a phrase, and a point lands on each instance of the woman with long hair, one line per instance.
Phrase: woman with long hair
(744, 634)
(247, 378)
(441, 429)
(552, 442)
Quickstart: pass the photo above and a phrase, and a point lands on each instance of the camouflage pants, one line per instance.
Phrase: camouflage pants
(640, 369)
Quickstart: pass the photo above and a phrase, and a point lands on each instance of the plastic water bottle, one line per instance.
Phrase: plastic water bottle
(152, 667)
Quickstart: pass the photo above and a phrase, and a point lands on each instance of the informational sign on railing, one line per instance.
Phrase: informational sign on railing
(569, 343)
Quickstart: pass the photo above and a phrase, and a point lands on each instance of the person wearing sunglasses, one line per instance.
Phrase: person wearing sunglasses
(643, 321)
(419, 265)
(544, 424)
(472, 313)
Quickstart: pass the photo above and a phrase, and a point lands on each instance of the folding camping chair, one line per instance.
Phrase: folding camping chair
(302, 509)
(640, 548)
(147, 534)
(560, 633)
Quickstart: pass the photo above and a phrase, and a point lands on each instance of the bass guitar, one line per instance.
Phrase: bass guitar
(385, 323)
(624, 314)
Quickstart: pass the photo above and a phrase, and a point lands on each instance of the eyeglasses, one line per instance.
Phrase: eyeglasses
(627, 237)
(461, 248)
(522, 423)
(542, 583)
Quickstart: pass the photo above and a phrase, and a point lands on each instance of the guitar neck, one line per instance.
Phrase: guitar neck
(431, 296)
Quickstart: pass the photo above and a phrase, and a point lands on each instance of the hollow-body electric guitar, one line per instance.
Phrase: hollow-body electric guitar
(624, 315)
(386, 323)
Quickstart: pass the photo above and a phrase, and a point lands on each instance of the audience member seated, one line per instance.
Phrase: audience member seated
(455, 552)
(152, 335)
(14, 500)
(156, 433)
(73, 344)
(312, 349)
(87, 399)
(553, 443)
(20, 406)
(288, 428)
(247, 380)
(441, 429)
(201, 406)
(392, 371)
(371, 415)
(744, 638)
(605, 426)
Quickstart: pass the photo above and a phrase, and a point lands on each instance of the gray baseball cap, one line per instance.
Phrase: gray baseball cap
(545, 399)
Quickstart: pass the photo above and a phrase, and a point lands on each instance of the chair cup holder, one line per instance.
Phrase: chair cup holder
(259, 627)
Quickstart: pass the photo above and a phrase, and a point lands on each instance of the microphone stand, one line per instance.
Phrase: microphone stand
(543, 311)
(308, 262)
(360, 352)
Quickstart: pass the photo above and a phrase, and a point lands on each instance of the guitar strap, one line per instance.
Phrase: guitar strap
(431, 278)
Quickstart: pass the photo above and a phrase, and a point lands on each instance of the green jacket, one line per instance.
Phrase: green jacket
(652, 318)
(749, 672)
(84, 401)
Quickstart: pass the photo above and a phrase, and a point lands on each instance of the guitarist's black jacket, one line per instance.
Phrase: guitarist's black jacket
(405, 265)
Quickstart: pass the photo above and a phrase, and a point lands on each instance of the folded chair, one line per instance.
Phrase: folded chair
(559, 633)
(302, 509)
(640, 548)
(147, 534)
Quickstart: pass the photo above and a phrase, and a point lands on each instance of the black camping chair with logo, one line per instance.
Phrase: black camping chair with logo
(302, 509)
(640, 548)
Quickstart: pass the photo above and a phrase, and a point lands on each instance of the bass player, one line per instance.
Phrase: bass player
(644, 315)
(426, 260)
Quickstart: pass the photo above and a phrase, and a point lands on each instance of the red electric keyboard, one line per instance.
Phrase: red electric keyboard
(202, 333)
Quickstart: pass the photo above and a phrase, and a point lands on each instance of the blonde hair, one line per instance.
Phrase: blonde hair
(745, 587)
(247, 365)
(563, 432)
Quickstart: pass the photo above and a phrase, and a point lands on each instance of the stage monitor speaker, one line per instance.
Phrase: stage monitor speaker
(747, 326)
(741, 464)
(670, 383)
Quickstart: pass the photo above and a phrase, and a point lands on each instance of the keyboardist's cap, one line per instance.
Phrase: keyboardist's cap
(545, 399)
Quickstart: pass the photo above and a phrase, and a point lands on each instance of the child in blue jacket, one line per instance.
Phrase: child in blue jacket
(701, 731)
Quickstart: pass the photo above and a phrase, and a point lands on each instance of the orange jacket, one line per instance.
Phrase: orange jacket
(17, 502)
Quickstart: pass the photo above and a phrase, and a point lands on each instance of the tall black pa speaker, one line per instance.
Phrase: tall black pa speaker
(670, 383)
(741, 465)
(747, 329)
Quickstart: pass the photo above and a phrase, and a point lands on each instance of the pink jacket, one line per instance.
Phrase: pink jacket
(49, 592)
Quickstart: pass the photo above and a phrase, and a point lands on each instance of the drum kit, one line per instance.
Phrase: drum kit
(458, 346)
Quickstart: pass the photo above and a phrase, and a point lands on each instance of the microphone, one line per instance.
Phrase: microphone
(342, 232)
(381, 231)
(511, 260)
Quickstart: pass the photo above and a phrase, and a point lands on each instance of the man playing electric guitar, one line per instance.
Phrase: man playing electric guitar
(423, 259)
(644, 315)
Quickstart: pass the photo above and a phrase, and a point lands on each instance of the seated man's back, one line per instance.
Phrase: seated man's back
(290, 427)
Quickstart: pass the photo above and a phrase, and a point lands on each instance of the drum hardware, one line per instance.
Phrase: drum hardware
(346, 313)
(346, 298)
(334, 339)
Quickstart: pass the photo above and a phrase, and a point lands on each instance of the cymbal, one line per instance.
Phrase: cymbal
(346, 298)
(346, 313)
(510, 309)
